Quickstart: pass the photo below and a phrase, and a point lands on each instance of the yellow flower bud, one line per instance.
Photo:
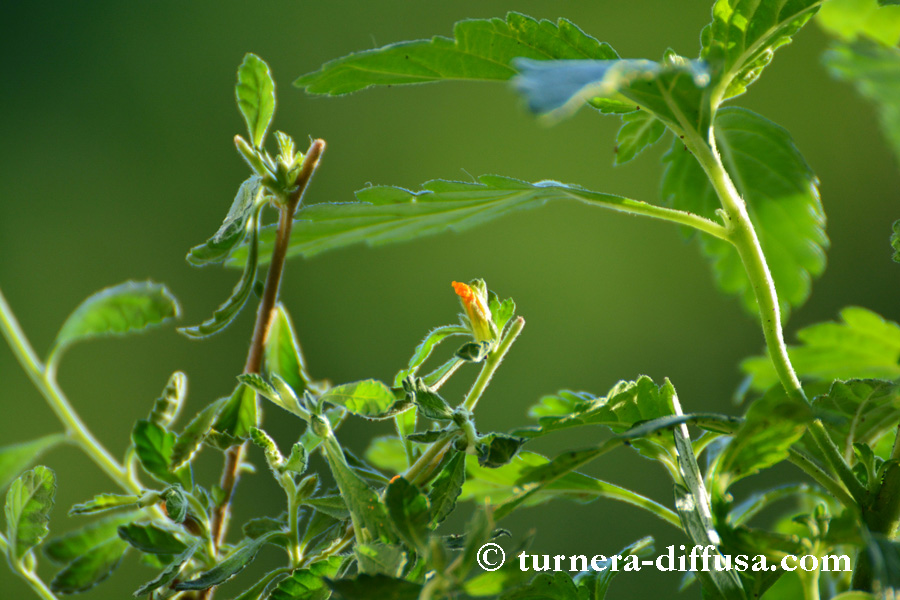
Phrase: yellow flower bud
(474, 299)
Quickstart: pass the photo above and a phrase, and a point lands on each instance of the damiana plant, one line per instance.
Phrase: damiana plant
(370, 527)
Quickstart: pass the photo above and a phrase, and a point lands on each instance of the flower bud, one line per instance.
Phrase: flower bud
(474, 299)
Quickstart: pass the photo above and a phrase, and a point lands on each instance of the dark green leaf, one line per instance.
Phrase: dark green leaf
(866, 409)
(104, 502)
(596, 583)
(177, 504)
(154, 446)
(430, 436)
(447, 487)
(66, 548)
(283, 356)
(90, 568)
(237, 417)
(640, 130)
(782, 198)
(387, 214)
(895, 244)
(28, 505)
(170, 572)
(189, 440)
(124, 308)
(167, 407)
(151, 539)
(369, 398)
(16, 458)
(255, 94)
(308, 583)
(431, 405)
(474, 351)
(379, 558)
(863, 345)
(424, 349)
(234, 563)
(410, 512)
(498, 450)
(546, 586)
(259, 527)
(743, 34)
(233, 229)
(365, 587)
(482, 50)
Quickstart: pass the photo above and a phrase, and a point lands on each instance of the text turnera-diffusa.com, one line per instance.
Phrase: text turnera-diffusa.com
(699, 558)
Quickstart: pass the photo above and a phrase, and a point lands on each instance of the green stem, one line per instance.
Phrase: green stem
(294, 552)
(37, 584)
(614, 492)
(47, 386)
(808, 466)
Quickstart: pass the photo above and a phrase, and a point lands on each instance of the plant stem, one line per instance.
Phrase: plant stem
(808, 466)
(264, 315)
(37, 584)
(47, 386)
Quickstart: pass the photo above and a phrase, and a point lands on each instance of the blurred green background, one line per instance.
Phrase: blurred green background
(116, 157)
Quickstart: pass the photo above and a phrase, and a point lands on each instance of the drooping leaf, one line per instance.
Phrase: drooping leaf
(103, 503)
(424, 349)
(482, 49)
(240, 557)
(16, 458)
(170, 573)
(365, 586)
(861, 345)
(409, 510)
(124, 308)
(151, 539)
(369, 398)
(255, 94)
(780, 191)
(875, 72)
(865, 410)
(90, 568)
(28, 505)
(238, 416)
(640, 130)
(233, 228)
(283, 356)
(743, 35)
(189, 440)
(447, 487)
(851, 19)
(308, 583)
(68, 547)
(388, 214)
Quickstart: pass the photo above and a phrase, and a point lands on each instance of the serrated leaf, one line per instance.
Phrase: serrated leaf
(875, 72)
(498, 449)
(386, 215)
(255, 94)
(155, 448)
(744, 34)
(333, 506)
(545, 586)
(640, 130)
(380, 558)
(177, 503)
(68, 547)
(447, 487)
(238, 416)
(410, 511)
(90, 568)
(364, 587)
(430, 403)
(308, 583)
(151, 539)
(282, 354)
(16, 458)
(866, 409)
(851, 19)
(501, 312)
(170, 572)
(104, 502)
(228, 311)
(260, 526)
(167, 407)
(28, 505)
(780, 191)
(369, 398)
(482, 49)
(118, 310)
(189, 440)
(297, 460)
(862, 345)
(233, 228)
(231, 565)
(424, 349)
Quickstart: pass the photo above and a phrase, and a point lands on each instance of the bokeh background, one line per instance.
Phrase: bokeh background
(116, 122)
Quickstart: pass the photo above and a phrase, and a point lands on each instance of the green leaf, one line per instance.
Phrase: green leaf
(66, 548)
(386, 215)
(744, 34)
(240, 557)
(875, 72)
(260, 526)
(498, 449)
(283, 356)
(228, 311)
(430, 404)
(177, 503)
(238, 416)
(365, 587)
(596, 583)
(866, 409)
(16, 458)
(297, 460)
(255, 94)
(369, 398)
(151, 539)
(424, 349)
(546, 586)
(862, 345)
(170, 573)
(851, 19)
(772, 425)
(167, 407)
(28, 504)
(104, 502)
(155, 447)
(333, 506)
(474, 351)
(447, 487)
(124, 308)
(782, 198)
(482, 50)
(90, 568)
(308, 583)
(501, 312)
(233, 229)
(895, 244)
(379, 558)
(410, 511)
(387, 452)
(640, 130)
(190, 439)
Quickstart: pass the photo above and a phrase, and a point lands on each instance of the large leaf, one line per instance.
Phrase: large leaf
(782, 199)
(482, 49)
(860, 411)
(74, 544)
(640, 130)
(851, 19)
(283, 355)
(370, 399)
(28, 504)
(90, 568)
(124, 308)
(241, 556)
(232, 230)
(386, 215)
(308, 583)
(170, 572)
(151, 539)
(744, 34)
(155, 448)
(255, 94)
(16, 458)
(409, 510)
(875, 71)
(862, 344)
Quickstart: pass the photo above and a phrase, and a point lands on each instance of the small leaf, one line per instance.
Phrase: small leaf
(104, 502)
(474, 351)
(189, 440)
(167, 407)
(125, 308)
(333, 506)
(297, 460)
(170, 573)
(255, 94)
(154, 447)
(66, 548)
(410, 512)
(499, 450)
(262, 440)
(370, 399)
(365, 587)
(151, 539)
(424, 349)
(28, 505)
(446, 488)
(547, 586)
(90, 568)
(283, 356)
(379, 558)
(431, 405)
(238, 416)
(16, 458)
(233, 229)
(176, 504)
(308, 583)
(640, 130)
(234, 563)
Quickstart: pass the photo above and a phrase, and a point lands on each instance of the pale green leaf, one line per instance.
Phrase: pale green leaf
(155, 448)
(167, 407)
(860, 411)
(28, 505)
(379, 558)
(640, 130)
(103, 503)
(861, 345)
(90, 568)
(782, 198)
(68, 547)
(851, 19)
(124, 308)
(283, 355)
(387, 453)
(308, 583)
(238, 416)
(233, 228)
(369, 398)
(255, 94)
(482, 49)
(16, 458)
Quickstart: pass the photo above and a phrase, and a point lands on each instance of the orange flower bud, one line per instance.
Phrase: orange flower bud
(474, 299)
